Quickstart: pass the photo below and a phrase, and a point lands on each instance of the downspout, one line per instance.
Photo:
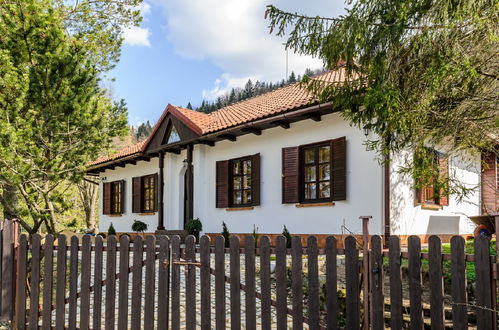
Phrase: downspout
(387, 199)
(190, 185)
(161, 186)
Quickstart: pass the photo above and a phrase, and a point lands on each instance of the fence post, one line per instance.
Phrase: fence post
(10, 232)
(365, 275)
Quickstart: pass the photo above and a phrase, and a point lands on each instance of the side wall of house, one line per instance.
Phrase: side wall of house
(408, 218)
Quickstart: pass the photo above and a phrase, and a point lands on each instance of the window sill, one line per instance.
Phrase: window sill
(314, 204)
(434, 207)
(147, 213)
(246, 208)
(115, 215)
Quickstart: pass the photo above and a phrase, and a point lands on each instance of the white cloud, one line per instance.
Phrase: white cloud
(136, 35)
(233, 34)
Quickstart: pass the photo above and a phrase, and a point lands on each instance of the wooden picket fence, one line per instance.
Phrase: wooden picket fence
(159, 283)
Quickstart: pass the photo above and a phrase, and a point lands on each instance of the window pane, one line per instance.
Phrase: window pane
(236, 168)
(310, 191)
(237, 197)
(324, 190)
(324, 154)
(309, 156)
(246, 196)
(247, 167)
(146, 205)
(237, 183)
(310, 173)
(246, 182)
(324, 172)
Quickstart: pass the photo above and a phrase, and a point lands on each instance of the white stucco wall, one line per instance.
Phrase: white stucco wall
(410, 219)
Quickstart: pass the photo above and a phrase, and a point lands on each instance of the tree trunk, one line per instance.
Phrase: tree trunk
(9, 201)
(89, 192)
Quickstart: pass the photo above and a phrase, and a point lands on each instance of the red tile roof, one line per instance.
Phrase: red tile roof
(287, 98)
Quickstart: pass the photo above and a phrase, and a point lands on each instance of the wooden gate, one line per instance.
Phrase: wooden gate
(158, 283)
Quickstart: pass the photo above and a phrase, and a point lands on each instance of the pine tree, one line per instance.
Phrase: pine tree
(292, 78)
(189, 106)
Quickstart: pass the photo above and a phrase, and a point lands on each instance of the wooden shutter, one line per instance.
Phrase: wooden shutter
(156, 202)
(339, 175)
(443, 163)
(290, 175)
(222, 184)
(106, 198)
(490, 195)
(255, 179)
(136, 195)
(122, 197)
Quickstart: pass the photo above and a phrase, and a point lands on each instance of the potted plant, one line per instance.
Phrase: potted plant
(139, 227)
(194, 227)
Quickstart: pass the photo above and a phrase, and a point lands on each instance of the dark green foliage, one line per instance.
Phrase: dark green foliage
(139, 226)
(226, 234)
(285, 233)
(255, 235)
(142, 131)
(194, 227)
(111, 230)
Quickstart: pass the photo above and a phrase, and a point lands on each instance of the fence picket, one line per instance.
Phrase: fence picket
(175, 282)
(352, 283)
(98, 264)
(86, 254)
(313, 283)
(395, 283)
(110, 282)
(281, 286)
(163, 283)
(60, 293)
(249, 281)
(376, 282)
(235, 283)
(190, 283)
(22, 255)
(123, 282)
(265, 283)
(415, 291)
(73, 282)
(9, 231)
(48, 268)
(436, 283)
(149, 292)
(297, 282)
(34, 299)
(331, 284)
(138, 253)
(220, 283)
(458, 284)
(204, 246)
(483, 291)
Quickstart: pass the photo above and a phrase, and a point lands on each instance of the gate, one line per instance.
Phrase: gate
(160, 283)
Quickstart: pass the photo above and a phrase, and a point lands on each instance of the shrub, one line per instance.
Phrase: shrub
(139, 226)
(194, 227)
(225, 234)
(285, 233)
(111, 230)
(255, 235)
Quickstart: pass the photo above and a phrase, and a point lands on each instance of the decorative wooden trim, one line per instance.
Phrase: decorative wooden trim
(314, 204)
(246, 208)
(147, 213)
(433, 207)
(115, 215)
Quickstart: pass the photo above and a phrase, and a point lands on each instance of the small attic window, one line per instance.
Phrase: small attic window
(173, 137)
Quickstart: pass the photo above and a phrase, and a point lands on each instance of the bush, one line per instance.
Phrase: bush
(285, 233)
(111, 230)
(225, 234)
(194, 227)
(139, 226)
(255, 235)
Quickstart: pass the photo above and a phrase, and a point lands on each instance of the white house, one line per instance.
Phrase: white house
(273, 160)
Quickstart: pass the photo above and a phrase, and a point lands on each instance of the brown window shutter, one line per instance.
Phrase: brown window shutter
(255, 179)
(123, 185)
(222, 182)
(489, 182)
(339, 175)
(106, 209)
(290, 175)
(443, 163)
(156, 202)
(136, 195)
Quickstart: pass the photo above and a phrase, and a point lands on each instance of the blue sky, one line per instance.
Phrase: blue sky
(185, 51)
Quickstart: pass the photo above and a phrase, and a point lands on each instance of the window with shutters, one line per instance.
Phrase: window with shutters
(117, 197)
(149, 193)
(316, 165)
(434, 192)
(241, 182)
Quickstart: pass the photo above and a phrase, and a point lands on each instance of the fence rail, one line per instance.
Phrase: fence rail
(157, 282)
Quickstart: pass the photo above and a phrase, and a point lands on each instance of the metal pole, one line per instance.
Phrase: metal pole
(365, 276)
(161, 209)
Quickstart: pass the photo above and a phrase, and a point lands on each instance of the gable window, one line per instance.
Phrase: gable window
(145, 194)
(238, 182)
(113, 197)
(173, 137)
(434, 192)
(314, 173)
